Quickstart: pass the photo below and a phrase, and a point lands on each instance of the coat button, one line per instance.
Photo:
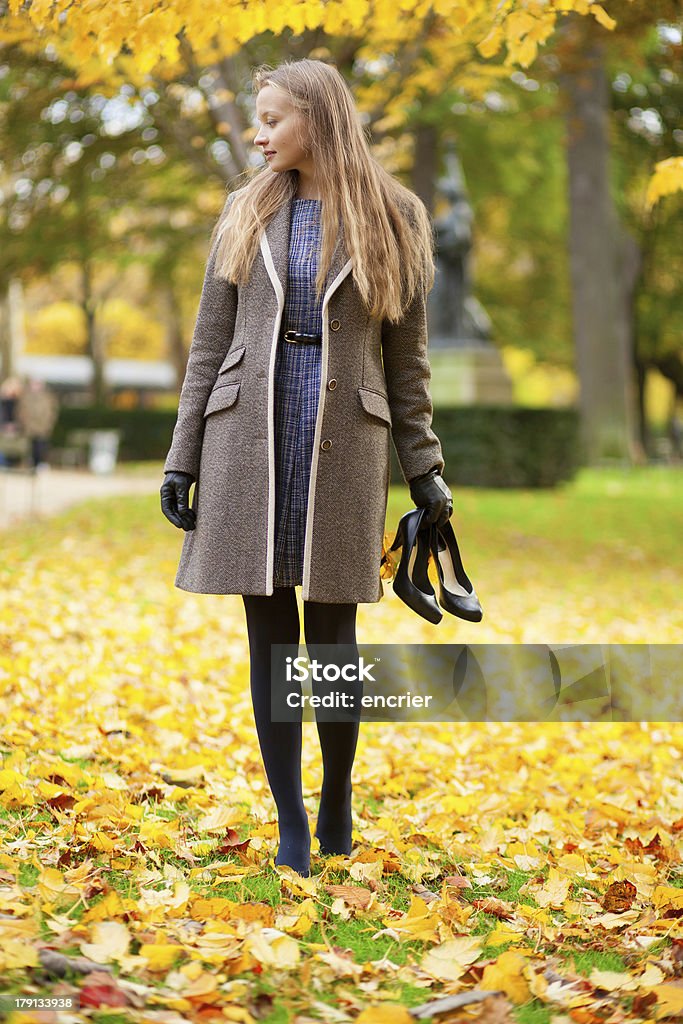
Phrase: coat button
(332, 384)
(326, 445)
(335, 325)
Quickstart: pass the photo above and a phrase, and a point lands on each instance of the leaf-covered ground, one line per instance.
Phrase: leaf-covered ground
(541, 862)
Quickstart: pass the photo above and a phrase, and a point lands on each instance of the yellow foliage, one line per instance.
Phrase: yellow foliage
(130, 332)
(56, 329)
(127, 331)
(459, 29)
(535, 383)
(602, 16)
(667, 179)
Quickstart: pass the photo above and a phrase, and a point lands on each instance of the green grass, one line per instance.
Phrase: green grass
(584, 961)
(599, 507)
(534, 1012)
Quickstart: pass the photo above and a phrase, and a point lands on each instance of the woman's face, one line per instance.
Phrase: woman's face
(281, 127)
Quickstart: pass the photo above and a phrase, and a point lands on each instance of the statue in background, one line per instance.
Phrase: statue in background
(456, 318)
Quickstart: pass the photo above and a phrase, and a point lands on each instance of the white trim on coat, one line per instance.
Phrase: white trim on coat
(270, 537)
(308, 540)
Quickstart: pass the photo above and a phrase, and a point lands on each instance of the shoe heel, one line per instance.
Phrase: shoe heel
(456, 592)
(399, 539)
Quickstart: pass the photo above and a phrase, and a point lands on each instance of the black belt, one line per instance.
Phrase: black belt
(296, 336)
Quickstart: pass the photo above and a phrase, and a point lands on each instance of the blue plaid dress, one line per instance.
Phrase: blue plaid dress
(297, 389)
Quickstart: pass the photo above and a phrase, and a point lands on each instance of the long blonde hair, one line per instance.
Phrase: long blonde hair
(387, 230)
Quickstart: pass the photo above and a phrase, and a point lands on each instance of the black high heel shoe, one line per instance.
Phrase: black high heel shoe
(456, 593)
(411, 581)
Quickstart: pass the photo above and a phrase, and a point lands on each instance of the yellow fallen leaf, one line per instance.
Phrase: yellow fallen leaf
(17, 928)
(101, 841)
(669, 1000)
(563, 991)
(194, 775)
(273, 948)
(612, 981)
(502, 934)
(110, 941)
(507, 975)
(610, 920)
(201, 983)
(161, 955)
(297, 884)
(9, 778)
(215, 907)
(342, 964)
(159, 833)
(237, 1013)
(419, 922)
(191, 970)
(299, 923)
(388, 1013)
(112, 780)
(366, 871)
(219, 818)
(555, 890)
(575, 864)
(51, 883)
(651, 976)
(17, 954)
(108, 909)
(667, 896)
(49, 791)
(448, 961)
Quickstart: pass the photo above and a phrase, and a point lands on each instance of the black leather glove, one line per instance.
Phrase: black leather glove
(431, 492)
(175, 500)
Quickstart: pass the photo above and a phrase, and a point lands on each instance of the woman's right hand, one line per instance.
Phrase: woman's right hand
(175, 500)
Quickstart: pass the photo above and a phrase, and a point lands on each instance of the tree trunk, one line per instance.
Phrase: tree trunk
(425, 166)
(640, 369)
(629, 270)
(175, 347)
(602, 358)
(12, 328)
(94, 346)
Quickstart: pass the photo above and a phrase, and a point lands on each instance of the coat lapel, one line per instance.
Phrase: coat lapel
(275, 250)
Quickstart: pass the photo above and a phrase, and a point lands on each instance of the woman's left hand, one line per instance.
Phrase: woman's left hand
(431, 492)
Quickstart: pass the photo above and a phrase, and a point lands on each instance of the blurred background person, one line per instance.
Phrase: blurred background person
(37, 411)
(10, 390)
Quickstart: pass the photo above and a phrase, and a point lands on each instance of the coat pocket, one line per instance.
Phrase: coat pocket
(376, 404)
(222, 397)
(232, 359)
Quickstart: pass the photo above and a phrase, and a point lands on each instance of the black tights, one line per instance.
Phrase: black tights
(275, 620)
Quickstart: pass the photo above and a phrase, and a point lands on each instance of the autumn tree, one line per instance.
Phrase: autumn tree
(400, 61)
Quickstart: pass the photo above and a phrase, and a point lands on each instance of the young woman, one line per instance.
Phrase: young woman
(309, 351)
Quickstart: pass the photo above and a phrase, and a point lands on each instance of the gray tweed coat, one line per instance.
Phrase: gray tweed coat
(374, 382)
